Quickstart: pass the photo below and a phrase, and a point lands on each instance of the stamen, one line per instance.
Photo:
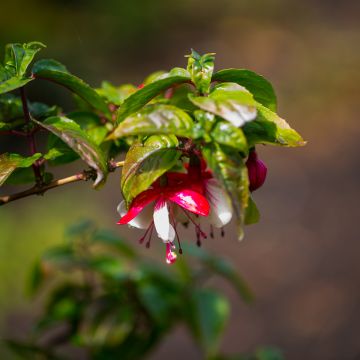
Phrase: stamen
(198, 241)
(150, 236)
(141, 240)
(211, 231)
(197, 226)
(222, 232)
(176, 233)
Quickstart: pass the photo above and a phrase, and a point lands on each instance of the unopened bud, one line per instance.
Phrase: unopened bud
(257, 171)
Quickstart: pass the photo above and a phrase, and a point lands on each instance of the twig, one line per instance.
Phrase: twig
(40, 190)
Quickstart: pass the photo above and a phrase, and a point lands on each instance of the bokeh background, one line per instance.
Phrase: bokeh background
(302, 259)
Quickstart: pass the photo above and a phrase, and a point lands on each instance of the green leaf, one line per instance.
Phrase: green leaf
(71, 133)
(252, 214)
(201, 69)
(156, 119)
(208, 318)
(139, 99)
(13, 83)
(19, 56)
(230, 169)
(261, 88)
(227, 134)
(115, 94)
(10, 108)
(269, 128)
(146, 162)
(229, 101)
(10, 162)
(54, 71)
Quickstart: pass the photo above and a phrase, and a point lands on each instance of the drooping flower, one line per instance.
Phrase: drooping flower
(155, 207)
(257, 171)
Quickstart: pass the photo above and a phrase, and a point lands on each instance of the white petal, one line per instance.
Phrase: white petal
(143, 220)
(220, 204)
(162, 224)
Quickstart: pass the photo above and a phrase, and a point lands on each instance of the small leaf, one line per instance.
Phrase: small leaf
(208, 318)
(115, 94)
(230, 169)
(139, 99)
(229, 101)
(261, 88)
(10, 162)
(71, 133)
(201, 69)
(269, 128)
(54, 71)
(146, 162)
(227, 134)
(252, 214)
(156, 119)
(10, 108)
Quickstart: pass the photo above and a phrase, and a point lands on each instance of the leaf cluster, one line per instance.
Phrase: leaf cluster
(103, 297)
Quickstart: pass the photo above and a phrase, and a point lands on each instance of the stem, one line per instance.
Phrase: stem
(31, 137)
(40, 190)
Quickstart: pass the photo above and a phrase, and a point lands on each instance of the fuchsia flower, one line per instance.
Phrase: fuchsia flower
(185, 197)
(257, 171)
(155, 207)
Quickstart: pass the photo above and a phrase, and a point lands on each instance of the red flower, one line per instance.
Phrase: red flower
(155, 208)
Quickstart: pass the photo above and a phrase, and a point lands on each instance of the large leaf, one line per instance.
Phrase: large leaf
(145, 162)
(71, 133)
(230, 101)
(227, 134)
(201, 69)
(10, 162)
(261, 88)
(269, 128)
(56, 72)
(139, 99)
(230, 169)
(156, 119)
(207, 316)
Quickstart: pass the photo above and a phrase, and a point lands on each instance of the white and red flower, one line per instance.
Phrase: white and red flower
(155, 207)
(184, 197)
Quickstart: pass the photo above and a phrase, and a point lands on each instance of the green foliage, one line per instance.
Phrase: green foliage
(156, 119)
(54, 71)
(261, 88)
(201, 69)
(10, 162)
(17, 59)
(111, 302)
(139, 99)
(171, 118)
(71, 133)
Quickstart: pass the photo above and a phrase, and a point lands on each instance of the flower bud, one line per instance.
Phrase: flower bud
(257, 171)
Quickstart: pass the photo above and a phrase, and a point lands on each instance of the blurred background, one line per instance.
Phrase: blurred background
(302, 259)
